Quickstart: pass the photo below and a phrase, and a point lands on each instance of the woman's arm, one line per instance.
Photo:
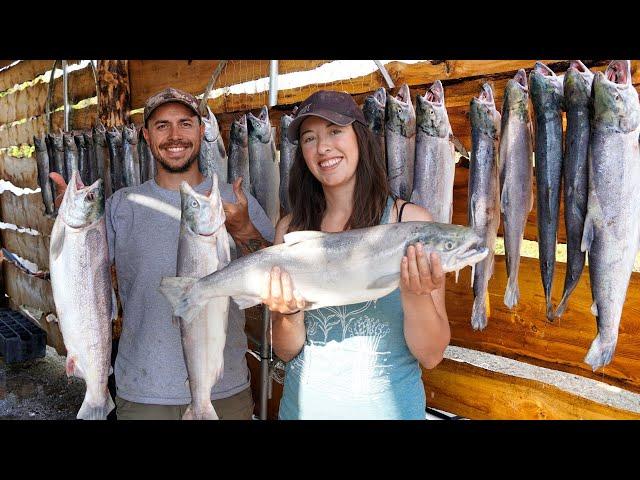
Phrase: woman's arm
(289, 332)
(422, 287)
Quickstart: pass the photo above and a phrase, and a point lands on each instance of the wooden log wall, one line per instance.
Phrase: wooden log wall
(523, 334)
(22, 115)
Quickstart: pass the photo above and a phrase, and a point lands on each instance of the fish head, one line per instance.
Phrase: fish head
(238, 132)
(457, 245)
(115, 135)
(285, 121)
(56, 141)
(82, 205)
(259, 127)
(400, 115)
(546, 88)
(516, 96)
(374, 111)
(615, 100)
(88, 137)
(201, 214)
(40, 143)
(129, 134)
(431, 113)
(211, 128)
(99, 134)
(577, 84)
(483, 113)
(69, 142)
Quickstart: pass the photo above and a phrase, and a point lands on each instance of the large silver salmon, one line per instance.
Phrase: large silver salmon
(435, 166)
(374, 109)
(263, 169)
(484, 193)
(329, 268)
(44, 182)
(131, 158)
(287, 155)
(577, 101)
(516, 176)
(239, 153)
(81, 285)
(547, 99)
(400, 140)
(612, 226)
(203, 248)
(213, 156)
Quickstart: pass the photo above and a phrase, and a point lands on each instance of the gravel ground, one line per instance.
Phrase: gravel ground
(40, 390)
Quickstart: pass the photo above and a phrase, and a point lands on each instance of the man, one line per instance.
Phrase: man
(143, 224)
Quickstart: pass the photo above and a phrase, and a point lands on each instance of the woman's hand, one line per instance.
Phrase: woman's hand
(420, 274)
(278, 293)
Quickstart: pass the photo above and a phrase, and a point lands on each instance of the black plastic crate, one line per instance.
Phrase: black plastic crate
(20, 338)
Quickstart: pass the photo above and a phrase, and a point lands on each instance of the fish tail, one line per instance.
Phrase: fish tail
(178, 291)
(512, 293)
(205, 413)
(479, 314)
(600, 353)
(90, 411)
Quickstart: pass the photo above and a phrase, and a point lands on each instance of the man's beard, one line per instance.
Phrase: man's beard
(179, 169)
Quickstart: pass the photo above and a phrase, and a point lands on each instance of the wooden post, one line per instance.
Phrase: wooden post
(114, 92)
(114, 107)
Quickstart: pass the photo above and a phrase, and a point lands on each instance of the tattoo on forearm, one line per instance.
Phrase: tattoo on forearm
(251, 245)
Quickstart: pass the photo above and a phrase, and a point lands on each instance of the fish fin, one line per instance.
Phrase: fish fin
(459, 147)
(385, 281)
(208, 413)
(245, 301)
(512, 293)
(587, 234)
(110, 370)
(599, 354)
(186, 382)
(302, 235)
(594, 309)
(479, 314)
(95, 412)
(177, 290)
(57, 240)
(72, 368)
(504, 200)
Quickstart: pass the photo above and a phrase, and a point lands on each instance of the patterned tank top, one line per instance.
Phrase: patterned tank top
(355, 364)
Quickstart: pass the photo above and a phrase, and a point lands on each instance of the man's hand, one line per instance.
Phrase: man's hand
(61, 187)
(238, 221)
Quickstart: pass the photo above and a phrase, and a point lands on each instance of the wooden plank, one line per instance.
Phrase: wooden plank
(22, 172)
(31, 101)
(4, 63)
(114, 99)
(525, 334)
(150, 76)
(26, 70)
(25, 211)
(34, 248)
(476, 393)
(36, 293)
(24, 132)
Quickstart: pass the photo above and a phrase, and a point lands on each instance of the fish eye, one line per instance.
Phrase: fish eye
(448, 245)
(194, 203)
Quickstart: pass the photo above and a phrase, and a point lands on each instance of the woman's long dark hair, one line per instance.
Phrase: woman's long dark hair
(369, 197)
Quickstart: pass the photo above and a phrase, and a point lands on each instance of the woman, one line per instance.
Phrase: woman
(355, 361)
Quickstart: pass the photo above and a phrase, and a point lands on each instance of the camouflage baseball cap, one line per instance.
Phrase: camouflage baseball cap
(171, 95)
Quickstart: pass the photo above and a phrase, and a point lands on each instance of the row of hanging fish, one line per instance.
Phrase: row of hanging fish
(599, 165)
(119, 155)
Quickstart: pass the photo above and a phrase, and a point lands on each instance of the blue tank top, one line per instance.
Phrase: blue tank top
(355, 364)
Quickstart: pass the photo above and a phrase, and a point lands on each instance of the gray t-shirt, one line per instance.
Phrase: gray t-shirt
(143, 225)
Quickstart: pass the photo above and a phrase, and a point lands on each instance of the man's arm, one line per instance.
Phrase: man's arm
(241, 225)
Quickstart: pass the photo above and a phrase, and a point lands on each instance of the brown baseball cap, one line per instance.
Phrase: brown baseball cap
(336, 107)
(171, 95)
